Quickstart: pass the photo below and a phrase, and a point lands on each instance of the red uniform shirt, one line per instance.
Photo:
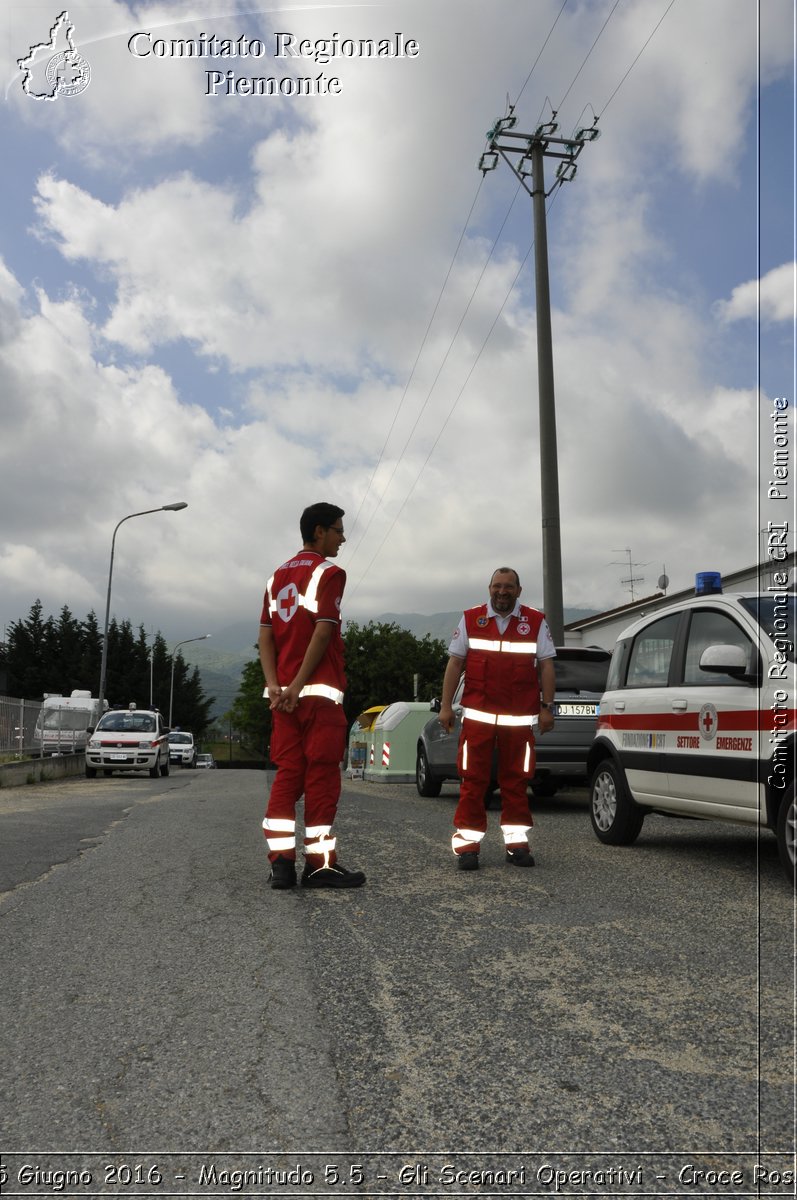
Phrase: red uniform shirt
(304, 590)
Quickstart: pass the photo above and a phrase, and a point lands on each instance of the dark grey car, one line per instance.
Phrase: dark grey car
(561, 754)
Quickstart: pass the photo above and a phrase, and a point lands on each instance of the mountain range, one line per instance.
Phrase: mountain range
(222, 659)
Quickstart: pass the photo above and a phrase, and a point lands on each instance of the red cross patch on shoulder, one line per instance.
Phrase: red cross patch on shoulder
(523, 627)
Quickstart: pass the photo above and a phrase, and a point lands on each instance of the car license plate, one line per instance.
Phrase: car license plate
(567, 709)
(118, 757)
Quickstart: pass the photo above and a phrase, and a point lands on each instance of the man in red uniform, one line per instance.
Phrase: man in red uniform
(507, 654)
(301, 652)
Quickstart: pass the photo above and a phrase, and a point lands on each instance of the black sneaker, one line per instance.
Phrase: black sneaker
(520, 858)
(468, 861)
(283, 873)
(335, 876)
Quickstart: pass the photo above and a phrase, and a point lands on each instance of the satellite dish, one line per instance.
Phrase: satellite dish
(664, 582)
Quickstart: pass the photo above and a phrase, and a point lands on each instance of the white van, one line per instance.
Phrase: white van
(64, 721)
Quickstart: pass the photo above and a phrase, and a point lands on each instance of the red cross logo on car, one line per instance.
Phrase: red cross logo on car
(287, 601)
(707, 721)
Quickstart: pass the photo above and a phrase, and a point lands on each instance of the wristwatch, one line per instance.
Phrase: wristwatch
(545, 704)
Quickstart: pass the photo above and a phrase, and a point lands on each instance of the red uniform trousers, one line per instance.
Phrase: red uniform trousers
(515, 767)
(308, 746)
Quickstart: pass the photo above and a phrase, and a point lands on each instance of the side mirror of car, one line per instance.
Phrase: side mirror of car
(435, 705)
(728, 660)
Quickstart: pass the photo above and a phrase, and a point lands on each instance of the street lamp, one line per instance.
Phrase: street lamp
(201, 638)
(163, 508)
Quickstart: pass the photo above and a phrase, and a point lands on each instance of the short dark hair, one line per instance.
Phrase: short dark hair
(321, 514)
(505, 571)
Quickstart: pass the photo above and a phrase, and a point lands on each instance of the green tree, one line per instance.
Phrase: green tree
(250, 714)
(381, 662)
(43, 655)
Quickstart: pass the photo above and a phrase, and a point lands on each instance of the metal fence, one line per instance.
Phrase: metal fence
(18, 720)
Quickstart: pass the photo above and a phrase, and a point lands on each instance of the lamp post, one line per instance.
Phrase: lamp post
(201, 638)
(163, 508)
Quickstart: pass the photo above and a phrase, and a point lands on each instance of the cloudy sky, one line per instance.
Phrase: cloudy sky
(252, 302)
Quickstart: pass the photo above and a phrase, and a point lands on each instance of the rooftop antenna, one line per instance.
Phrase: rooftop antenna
(632, 578)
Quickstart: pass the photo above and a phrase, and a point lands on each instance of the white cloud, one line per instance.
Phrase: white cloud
(771, 298)
(299, 258)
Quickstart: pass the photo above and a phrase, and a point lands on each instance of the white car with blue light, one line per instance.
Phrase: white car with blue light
(698, 718)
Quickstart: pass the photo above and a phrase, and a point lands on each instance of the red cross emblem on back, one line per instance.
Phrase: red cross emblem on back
(287, 601)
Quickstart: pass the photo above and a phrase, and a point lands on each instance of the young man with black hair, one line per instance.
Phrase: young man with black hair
(301, 652)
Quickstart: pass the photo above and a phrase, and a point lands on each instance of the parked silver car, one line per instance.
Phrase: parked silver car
(561, 754)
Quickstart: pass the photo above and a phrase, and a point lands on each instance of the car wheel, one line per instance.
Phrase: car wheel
(165, 768)
(425, 783)
(616, 819)
(154, 771)
(787, 834)
(91, 772)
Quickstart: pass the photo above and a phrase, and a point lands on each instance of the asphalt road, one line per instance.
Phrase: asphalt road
(159, 996)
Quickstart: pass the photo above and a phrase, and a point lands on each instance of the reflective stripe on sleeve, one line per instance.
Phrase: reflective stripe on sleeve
(310, 598)
(272, 604)
(499, 647)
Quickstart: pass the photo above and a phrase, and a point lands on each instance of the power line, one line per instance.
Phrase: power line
(415, 364)
(639, 55)
(470, 301)
(423, 407)
(539, 56)
(429, 326)
(589, 52)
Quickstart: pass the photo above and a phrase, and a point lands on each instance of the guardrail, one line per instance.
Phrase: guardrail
(41, 770)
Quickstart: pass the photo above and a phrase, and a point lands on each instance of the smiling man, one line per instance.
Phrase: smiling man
(506, 652)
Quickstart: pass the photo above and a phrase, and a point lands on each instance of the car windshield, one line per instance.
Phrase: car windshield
(127, 722)
(776, 616)
(184, 738)
(581, 671)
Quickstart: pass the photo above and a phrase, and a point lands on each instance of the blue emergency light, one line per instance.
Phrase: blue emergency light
(708, 583)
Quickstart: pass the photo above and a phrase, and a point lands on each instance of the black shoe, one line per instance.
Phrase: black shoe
(335, 876)
(283, 873)
(521, 858)
(468, 861)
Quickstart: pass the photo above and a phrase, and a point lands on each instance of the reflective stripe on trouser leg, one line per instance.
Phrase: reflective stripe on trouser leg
(466, 839)
(319, 846)
(515, 835)
(474, 764)
(515, 767)
(280, 836)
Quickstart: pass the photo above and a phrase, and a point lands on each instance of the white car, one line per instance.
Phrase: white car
(206, 760)
(698, 718)
(181, 748)
(132, 739)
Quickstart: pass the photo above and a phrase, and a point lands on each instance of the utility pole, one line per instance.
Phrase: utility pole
(530, 152)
